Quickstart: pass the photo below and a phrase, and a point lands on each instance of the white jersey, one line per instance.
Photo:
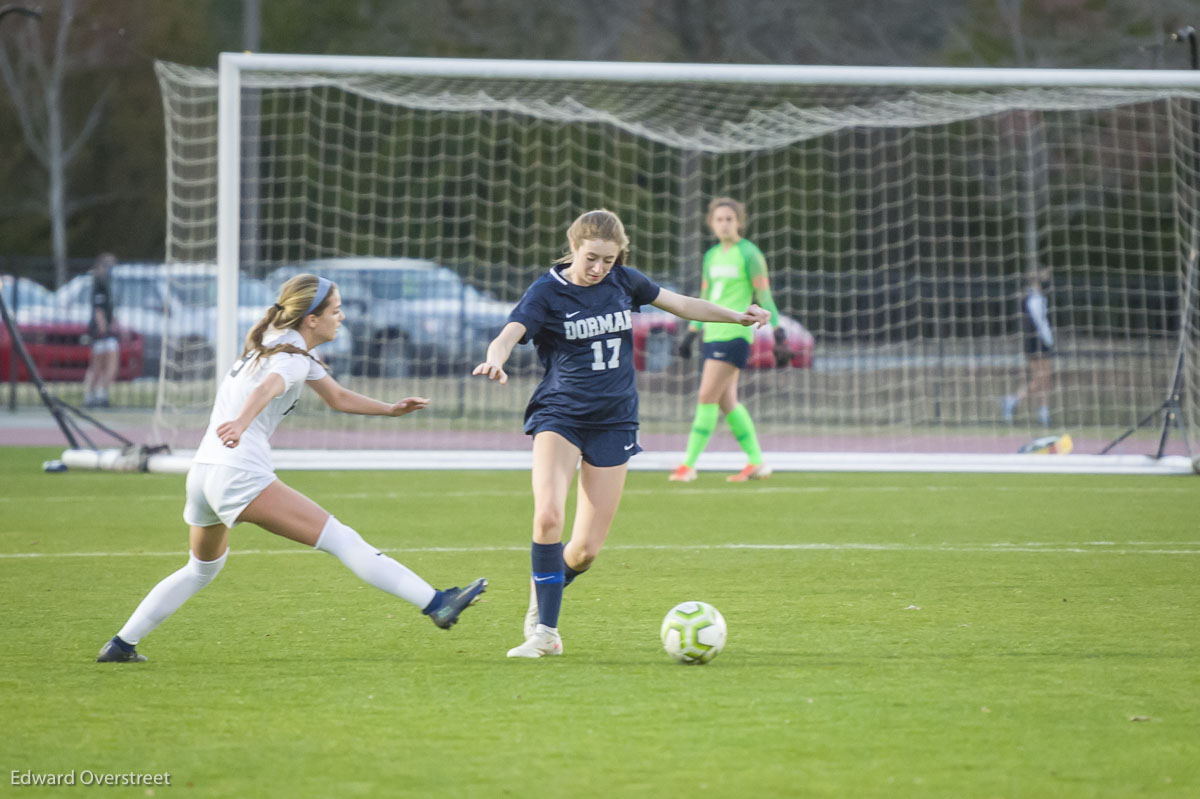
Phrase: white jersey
(253, 452)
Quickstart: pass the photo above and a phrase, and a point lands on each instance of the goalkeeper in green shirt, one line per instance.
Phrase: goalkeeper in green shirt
(735, 275)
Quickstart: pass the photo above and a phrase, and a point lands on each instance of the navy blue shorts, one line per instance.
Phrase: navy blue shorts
(1035, 347)
(735, 352)
(598, 447)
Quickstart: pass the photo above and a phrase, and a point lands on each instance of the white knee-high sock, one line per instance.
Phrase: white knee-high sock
(166, 597)
(372, 565)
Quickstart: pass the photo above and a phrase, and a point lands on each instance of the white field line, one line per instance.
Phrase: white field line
(1085, 547)
(1148, 488)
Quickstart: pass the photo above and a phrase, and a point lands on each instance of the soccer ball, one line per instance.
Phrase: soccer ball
(693, 632)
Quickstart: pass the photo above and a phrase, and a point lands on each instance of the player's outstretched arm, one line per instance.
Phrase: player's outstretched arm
(757, 267)
(498, 352)
(704, 311)
(230, 432)
(342, 399)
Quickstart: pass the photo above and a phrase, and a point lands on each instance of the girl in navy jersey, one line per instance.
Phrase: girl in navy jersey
(1038, 342)
(232, 480)
(578, 316)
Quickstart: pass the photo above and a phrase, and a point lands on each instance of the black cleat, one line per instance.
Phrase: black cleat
(113, 652)
(456, 601)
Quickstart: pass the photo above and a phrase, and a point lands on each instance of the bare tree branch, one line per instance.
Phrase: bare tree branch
(58, 64)
(90, 201)
(30, 205)
(1010, 12)
(36, 80)
(959, 36)
(95, 114)
(36, 54)
(21, 102)
(823, 47)
(882, 41)
(13, 8)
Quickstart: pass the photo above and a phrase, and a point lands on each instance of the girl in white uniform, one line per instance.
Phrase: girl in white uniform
(232, 479)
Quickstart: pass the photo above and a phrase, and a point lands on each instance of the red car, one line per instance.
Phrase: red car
(655, 334)
(60, 349)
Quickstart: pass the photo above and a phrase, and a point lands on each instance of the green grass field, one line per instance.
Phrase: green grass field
(889, 635)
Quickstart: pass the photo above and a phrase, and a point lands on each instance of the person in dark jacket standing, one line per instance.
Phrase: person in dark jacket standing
(106, 348)
(1038, 343)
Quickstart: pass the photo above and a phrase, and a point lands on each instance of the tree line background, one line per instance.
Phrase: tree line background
(81, 128)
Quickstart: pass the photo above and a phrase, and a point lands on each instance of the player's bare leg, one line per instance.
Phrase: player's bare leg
(600, 489)
(555, 460)
(598, 498)
(1039, 387)
(108, 374)
(724, 389)
(283, 510)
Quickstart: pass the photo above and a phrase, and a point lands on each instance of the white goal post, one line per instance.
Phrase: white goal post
(901, 211)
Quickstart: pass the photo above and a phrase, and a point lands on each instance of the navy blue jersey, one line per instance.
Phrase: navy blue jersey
(584, 340)
(102, 301)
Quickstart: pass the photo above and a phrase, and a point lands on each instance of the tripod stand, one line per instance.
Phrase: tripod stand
(1172, 406)
(64, 413)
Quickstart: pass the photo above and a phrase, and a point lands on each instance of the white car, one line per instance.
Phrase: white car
(180, 303)
(21, 293)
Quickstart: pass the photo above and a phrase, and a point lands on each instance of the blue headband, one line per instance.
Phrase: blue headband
(322, 292)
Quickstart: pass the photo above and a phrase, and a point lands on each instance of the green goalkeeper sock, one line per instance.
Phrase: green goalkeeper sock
(702, 430)
(743, 430)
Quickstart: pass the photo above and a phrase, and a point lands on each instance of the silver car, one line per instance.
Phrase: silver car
(411, 317)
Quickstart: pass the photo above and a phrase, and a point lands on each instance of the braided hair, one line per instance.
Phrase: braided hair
(286, 314)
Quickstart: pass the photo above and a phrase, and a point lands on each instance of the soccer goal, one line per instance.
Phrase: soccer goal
(901, 212)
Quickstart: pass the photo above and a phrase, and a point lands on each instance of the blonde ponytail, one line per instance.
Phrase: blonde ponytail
(288, 312)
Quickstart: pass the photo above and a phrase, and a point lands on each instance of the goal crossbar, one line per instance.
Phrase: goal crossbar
(642, 72)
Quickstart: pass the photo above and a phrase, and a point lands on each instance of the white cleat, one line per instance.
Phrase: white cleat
(531, 614)
(682, 474)
(750, 472)
(544, 641)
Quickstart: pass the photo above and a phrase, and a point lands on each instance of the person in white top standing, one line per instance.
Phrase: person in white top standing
(232, 479)
(1038, 341)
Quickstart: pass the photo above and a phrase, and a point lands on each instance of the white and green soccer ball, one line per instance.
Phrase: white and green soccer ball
(693, 632)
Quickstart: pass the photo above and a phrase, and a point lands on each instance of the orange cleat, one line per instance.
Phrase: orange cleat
(683, 474)
(752, 472)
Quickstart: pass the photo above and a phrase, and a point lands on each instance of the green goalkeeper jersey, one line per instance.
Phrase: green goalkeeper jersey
(733, 278)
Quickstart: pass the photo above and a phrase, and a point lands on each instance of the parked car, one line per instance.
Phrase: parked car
(411, 317)
(21, 292)
(180, 302)
(655, 333)
(60, 349)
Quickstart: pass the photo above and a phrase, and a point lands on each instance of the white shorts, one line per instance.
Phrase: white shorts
(218, 494)
(106, 344)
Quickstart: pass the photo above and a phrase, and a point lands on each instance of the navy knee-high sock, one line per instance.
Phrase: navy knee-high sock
(547, 580)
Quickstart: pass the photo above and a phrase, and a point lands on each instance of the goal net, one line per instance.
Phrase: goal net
(901, 212)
